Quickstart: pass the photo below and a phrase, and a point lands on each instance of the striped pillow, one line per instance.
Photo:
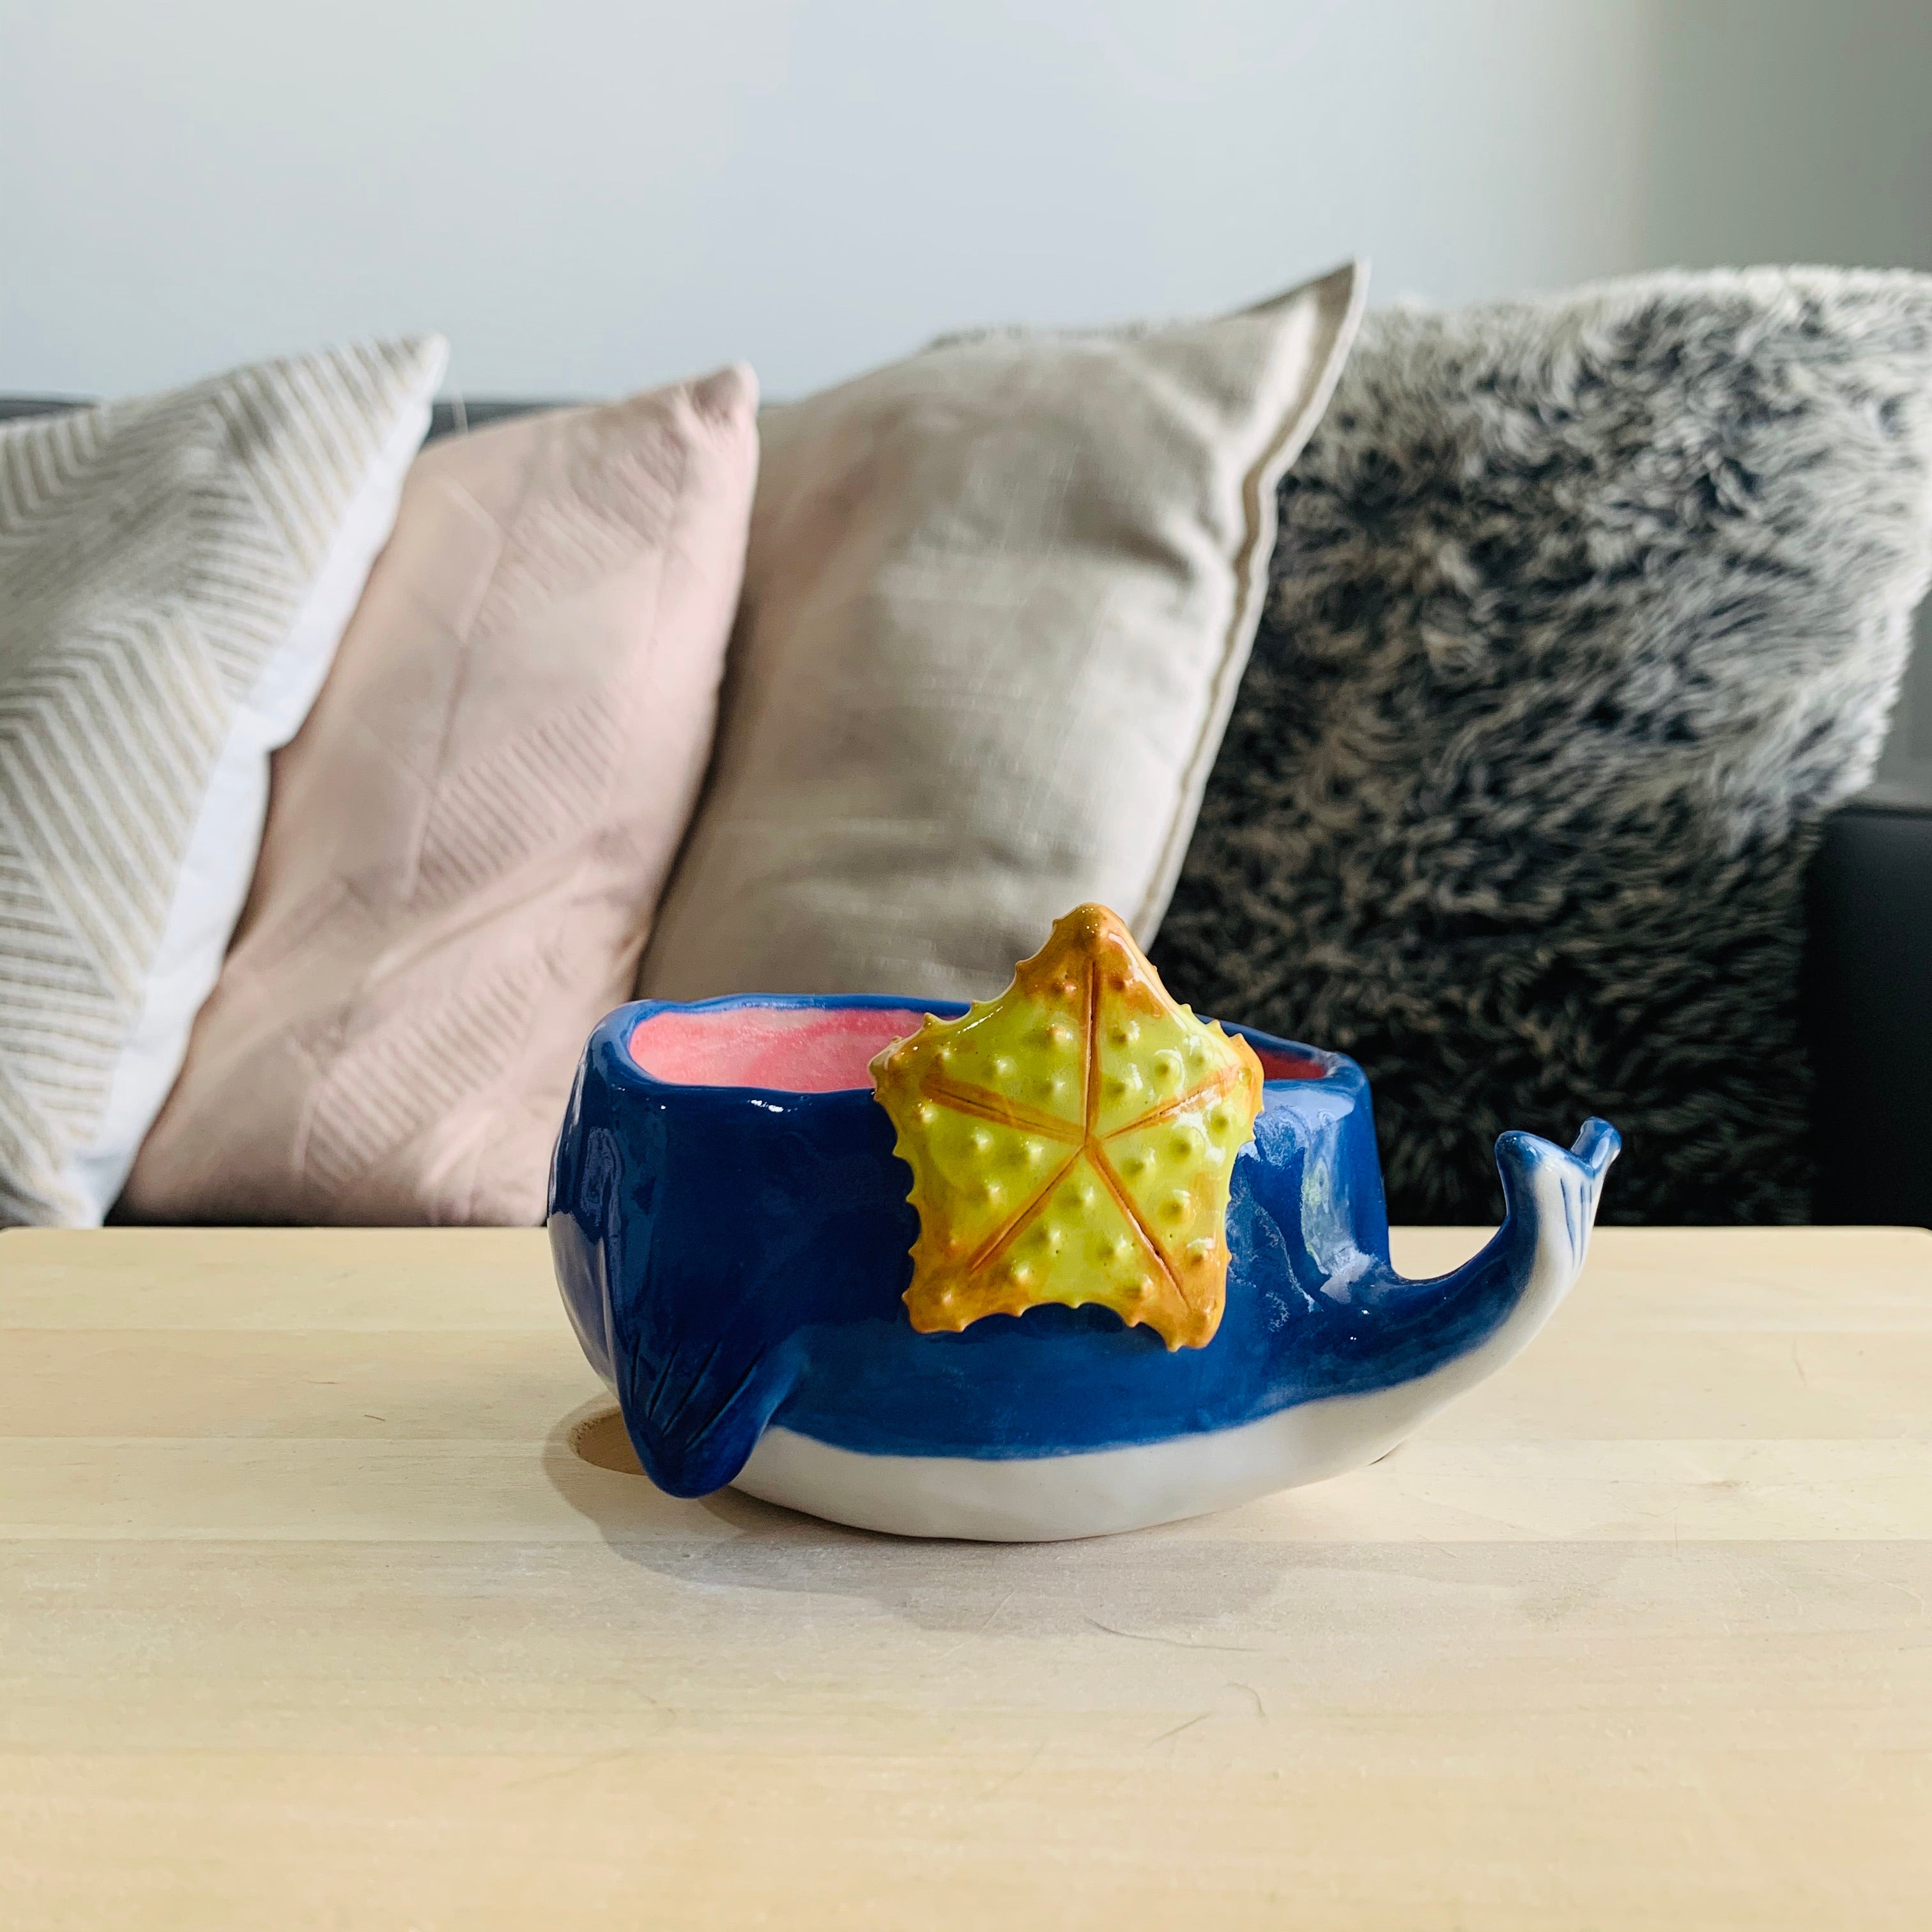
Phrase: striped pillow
(175, 573)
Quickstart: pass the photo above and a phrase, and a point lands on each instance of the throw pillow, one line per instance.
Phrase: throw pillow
(997, 603)
(1586, 612)
(466, 840)
(175, 575)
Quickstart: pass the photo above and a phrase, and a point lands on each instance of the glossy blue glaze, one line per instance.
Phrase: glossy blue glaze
(733, 1256)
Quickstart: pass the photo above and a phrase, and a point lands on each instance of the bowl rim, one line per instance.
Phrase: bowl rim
(617, 1027)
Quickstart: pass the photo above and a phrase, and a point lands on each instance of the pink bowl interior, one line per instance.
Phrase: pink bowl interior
(810, 1049)
(793, 1049)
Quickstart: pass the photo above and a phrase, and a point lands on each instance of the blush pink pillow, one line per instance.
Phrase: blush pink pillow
(466, 840)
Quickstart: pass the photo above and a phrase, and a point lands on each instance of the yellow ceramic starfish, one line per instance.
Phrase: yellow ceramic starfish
(1071, 1141)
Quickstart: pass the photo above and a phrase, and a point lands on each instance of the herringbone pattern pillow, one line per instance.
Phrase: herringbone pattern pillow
(174, 574)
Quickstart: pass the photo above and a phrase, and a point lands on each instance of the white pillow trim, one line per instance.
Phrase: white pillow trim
(218, 866)
(1300, 420)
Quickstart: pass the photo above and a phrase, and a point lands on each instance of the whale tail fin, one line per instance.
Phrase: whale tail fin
(1499, 1298)
(1550, 1193)
(1461, 1326)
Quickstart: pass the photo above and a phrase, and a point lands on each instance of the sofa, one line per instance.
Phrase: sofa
(1868, 963)
(1867, 981)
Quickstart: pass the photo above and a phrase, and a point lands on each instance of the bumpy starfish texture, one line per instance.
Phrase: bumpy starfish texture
(1071, 1142)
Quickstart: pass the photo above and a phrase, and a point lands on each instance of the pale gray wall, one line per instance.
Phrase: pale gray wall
(1800, 130)
(589, 196)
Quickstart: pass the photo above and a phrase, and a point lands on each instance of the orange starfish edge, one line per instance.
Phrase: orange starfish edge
(1072, 1142)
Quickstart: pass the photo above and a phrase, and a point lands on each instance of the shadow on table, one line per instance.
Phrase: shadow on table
(1122, 1583)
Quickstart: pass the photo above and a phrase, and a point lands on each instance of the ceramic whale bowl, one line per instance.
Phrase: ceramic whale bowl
(1070, 1262)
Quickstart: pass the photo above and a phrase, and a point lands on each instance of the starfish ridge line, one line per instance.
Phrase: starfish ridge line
(997, 1243)
(985, 1105)
(1097, 1153)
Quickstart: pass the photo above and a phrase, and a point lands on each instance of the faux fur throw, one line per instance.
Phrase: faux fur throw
(1586, 612)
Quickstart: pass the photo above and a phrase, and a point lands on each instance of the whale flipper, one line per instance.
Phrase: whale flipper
(697, 1396)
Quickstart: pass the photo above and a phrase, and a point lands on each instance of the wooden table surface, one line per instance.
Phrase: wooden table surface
(327, 1601)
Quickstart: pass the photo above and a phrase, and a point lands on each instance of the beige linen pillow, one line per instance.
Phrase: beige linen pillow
(175, 572)
(998, 602)
(467, 840)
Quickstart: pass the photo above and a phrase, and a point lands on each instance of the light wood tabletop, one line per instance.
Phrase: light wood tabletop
(327, 1599)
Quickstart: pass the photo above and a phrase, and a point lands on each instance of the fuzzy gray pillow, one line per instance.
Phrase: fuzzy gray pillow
(1586, 612)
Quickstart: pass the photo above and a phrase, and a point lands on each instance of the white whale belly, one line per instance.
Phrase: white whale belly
(1048, 1499)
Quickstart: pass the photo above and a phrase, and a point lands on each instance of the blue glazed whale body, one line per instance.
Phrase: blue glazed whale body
(733, 1259)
